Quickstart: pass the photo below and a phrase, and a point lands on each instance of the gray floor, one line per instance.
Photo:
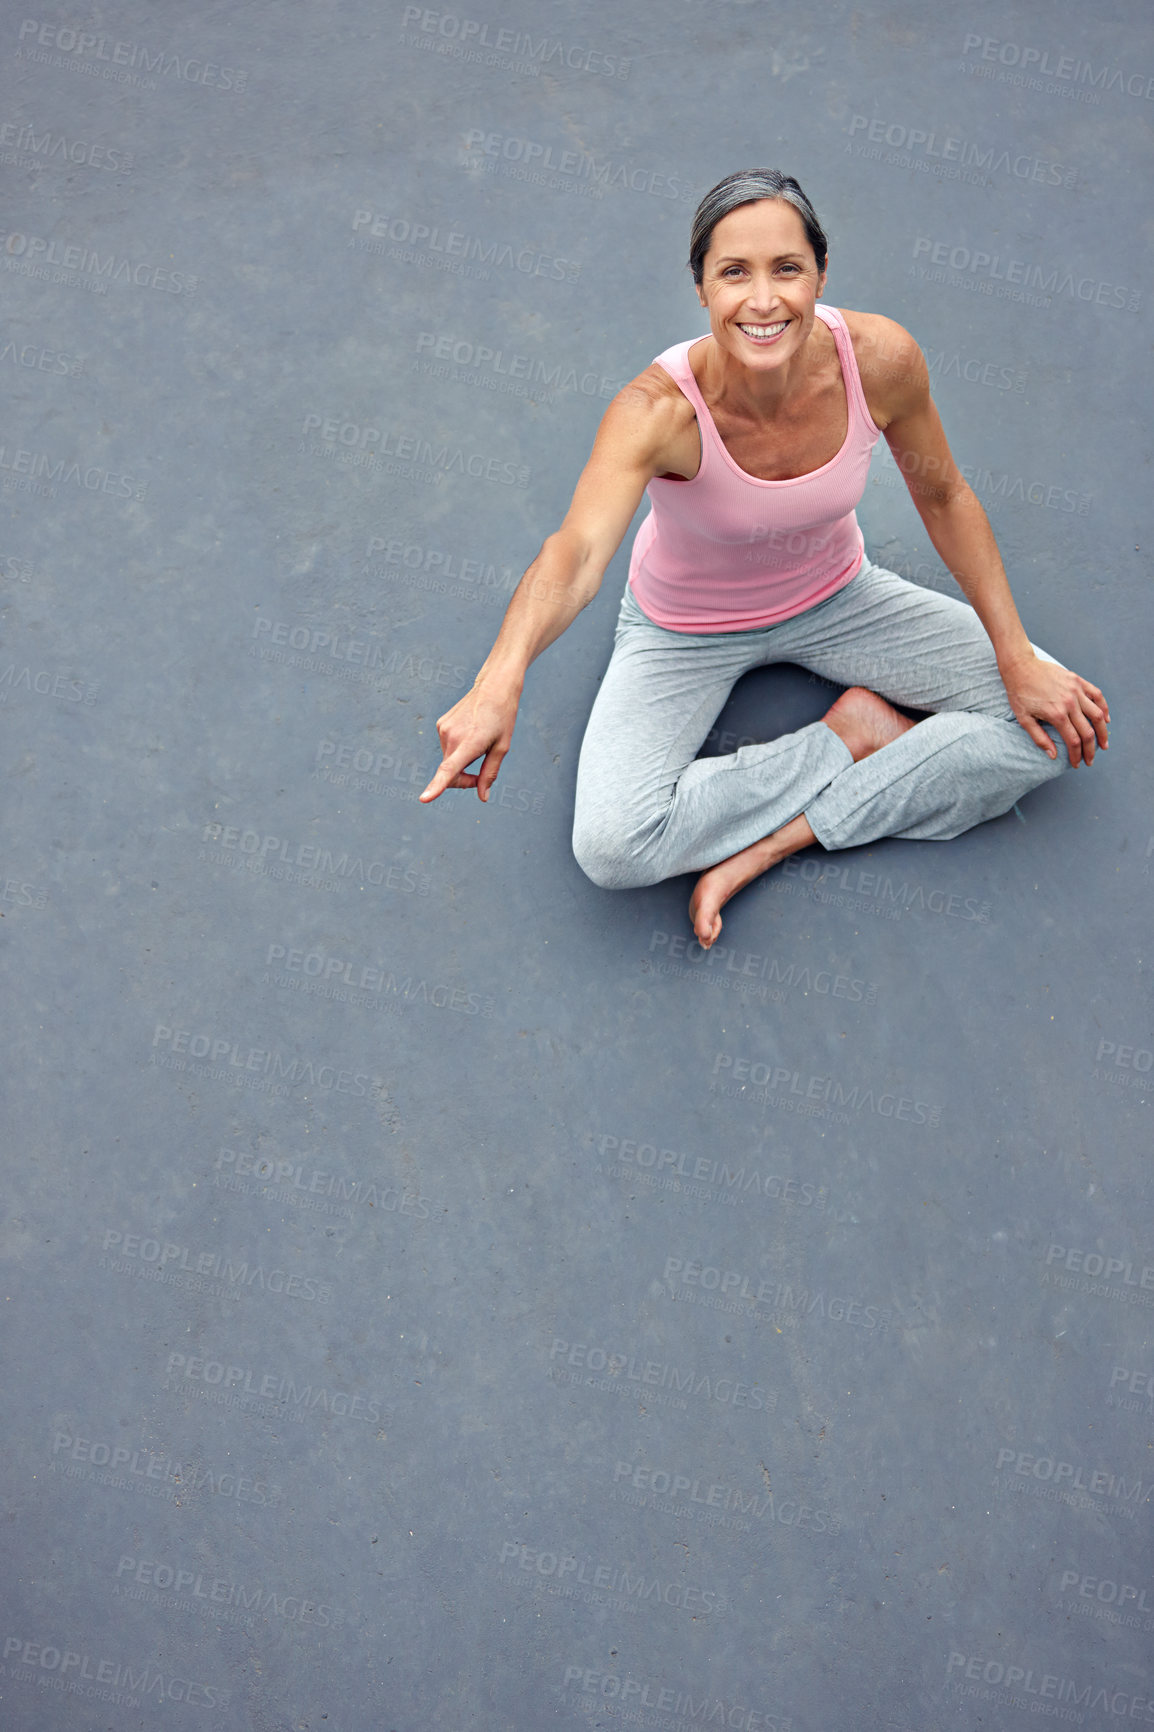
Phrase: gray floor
(436, 1297)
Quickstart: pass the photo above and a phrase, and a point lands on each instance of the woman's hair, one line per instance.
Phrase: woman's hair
(747, 186)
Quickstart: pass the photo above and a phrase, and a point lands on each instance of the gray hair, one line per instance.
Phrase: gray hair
(747, 186)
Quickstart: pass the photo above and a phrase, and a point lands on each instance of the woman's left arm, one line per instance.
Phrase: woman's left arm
(1039, 691)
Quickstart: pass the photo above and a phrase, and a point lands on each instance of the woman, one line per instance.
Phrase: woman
(754, 443)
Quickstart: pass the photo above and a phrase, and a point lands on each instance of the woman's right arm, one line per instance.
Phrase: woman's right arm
(629, 451)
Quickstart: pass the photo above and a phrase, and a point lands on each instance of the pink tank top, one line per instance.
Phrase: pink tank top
(727, 552)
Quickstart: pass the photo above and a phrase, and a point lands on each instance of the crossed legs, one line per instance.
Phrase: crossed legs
(648, 809)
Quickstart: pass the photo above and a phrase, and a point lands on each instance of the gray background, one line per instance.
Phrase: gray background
(417, 1316)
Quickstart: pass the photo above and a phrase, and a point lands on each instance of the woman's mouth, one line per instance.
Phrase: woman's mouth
(763, 335)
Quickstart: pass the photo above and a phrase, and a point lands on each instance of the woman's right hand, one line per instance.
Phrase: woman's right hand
(479, 725)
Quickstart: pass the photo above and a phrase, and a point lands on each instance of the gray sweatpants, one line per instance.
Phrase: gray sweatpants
(648, 808)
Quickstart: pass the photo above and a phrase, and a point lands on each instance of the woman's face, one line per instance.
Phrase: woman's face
(760, 281)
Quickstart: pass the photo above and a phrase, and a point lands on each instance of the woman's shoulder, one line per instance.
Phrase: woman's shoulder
(654, 397)
(889, 361)
(650, 425)
(879, 340)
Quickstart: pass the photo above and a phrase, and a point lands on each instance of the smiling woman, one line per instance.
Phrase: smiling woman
(753, 444)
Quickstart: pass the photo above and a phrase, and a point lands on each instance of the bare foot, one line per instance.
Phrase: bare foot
(715, 887)
(865, 722)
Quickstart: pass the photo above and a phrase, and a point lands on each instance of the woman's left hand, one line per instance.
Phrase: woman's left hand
(1041, 691)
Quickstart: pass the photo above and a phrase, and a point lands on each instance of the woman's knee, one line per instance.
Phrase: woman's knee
(1045, 768)
(610, 858)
